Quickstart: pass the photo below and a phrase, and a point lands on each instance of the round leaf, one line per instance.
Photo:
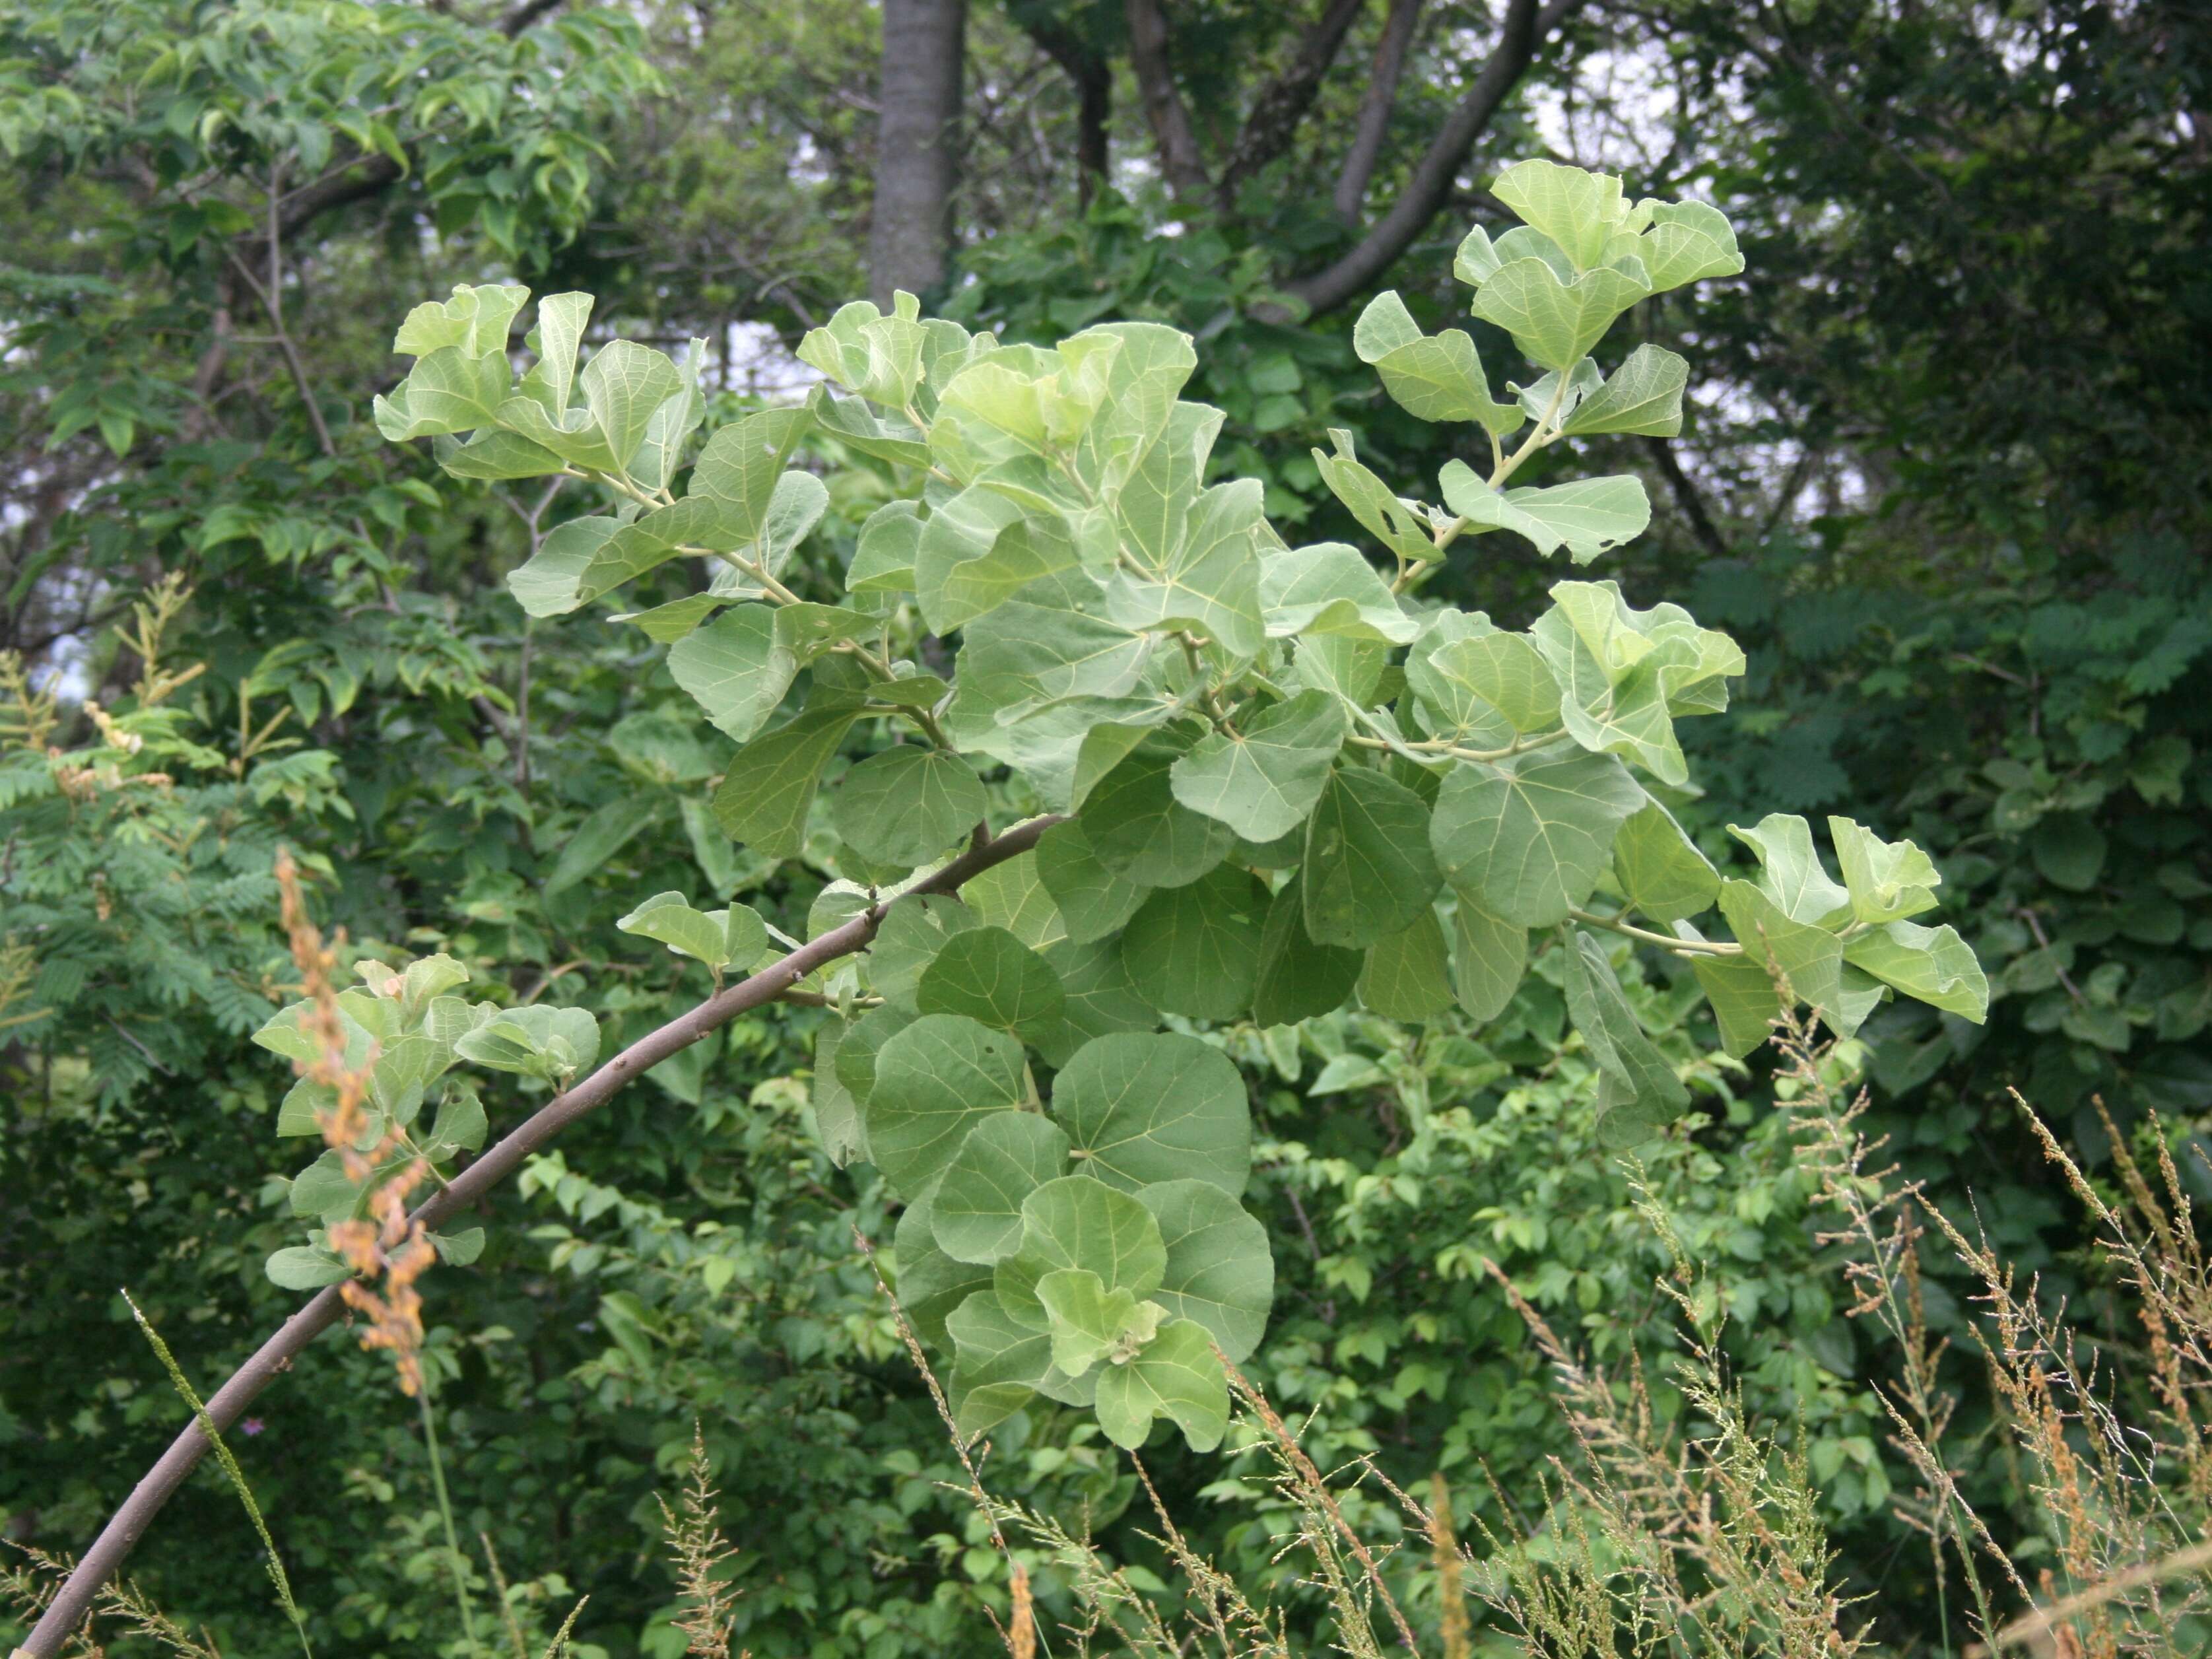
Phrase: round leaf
(1195, 950)
(976, 1209)
(933, 1080)
(908, 804)
(1140, 1108)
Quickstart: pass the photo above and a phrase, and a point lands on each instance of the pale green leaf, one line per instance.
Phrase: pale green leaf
(1642, 398)
(1931, 964)
(1329, 588)
(1220, 1272)
(1660, 869)
(1791, 874)
(736, 669)
(1587, 517)
(1889, 880)
(1580, 211)
(1489, 957)
(1177, 1377)
(623, 385)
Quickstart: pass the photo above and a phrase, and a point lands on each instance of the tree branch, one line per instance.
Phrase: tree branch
(1092, 77)
(1181, 162)
(1687, 498)
(1430, 185)
(100, 1563)
(1375, 108)
(1284, 101)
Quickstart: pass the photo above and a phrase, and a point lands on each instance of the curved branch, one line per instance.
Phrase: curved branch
(74, 1600)
(1375, 107)
(1181, 162)
(1430, 185)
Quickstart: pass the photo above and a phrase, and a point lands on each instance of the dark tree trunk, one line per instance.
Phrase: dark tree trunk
(917, 145)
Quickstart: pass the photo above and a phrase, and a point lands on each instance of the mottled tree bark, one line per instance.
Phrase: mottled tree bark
(917, 145)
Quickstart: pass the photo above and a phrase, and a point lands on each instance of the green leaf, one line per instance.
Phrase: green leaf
(1687, 242)
(1090, 1321)
(736, 669)
(1197, 570)
(1578, 210)
(913, 930)
(975, 1212)
(1660, 868)
(1408, 973)
(1587, 517)
(1368, 871)
(989, 975)
(1195, 949)
(1220, 1274)
(1176, 1378)
(1298, 980)
(717, 938)
(908, 804)
(476, 319)
(1329, 588)
(1141, 833)
(598, 838)
(1889, 880)
(1528, 839)
(1790, 871)
(837, 1111)
(1809, 956)
(623, 385)
(764, 797)
(1483, 689)
(664, 624)
(1262, 780)
(535, 1040)
(546, 584)
(1555, 323)
(451, 390)
(1627, 674)
(931, 1285)
(1076, 1222)
(884, 558)
(494, 455)
(1642, 398)
(1649, 1092)
(1931, 964)
(979, 549)
(560, 321)
(1382, 514)
(1101, 997)
(1093, 900)
(1142, 1107)
(999, 1364)
(1488, 959)
(1742, 993)
(1011, 895)
(933, 1080)
(857, 1049)
(460, 1249)
(1433, 378)
(303, 1268)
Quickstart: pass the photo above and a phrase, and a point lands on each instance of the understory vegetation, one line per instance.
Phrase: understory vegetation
(1421, 864)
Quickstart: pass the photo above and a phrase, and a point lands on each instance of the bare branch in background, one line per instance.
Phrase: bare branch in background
(1180, 161)
(1092, 77)
(1284, 101)
(1430, 185)
(1374, 107)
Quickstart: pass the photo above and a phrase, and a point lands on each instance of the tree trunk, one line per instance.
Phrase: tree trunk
(917, 145)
